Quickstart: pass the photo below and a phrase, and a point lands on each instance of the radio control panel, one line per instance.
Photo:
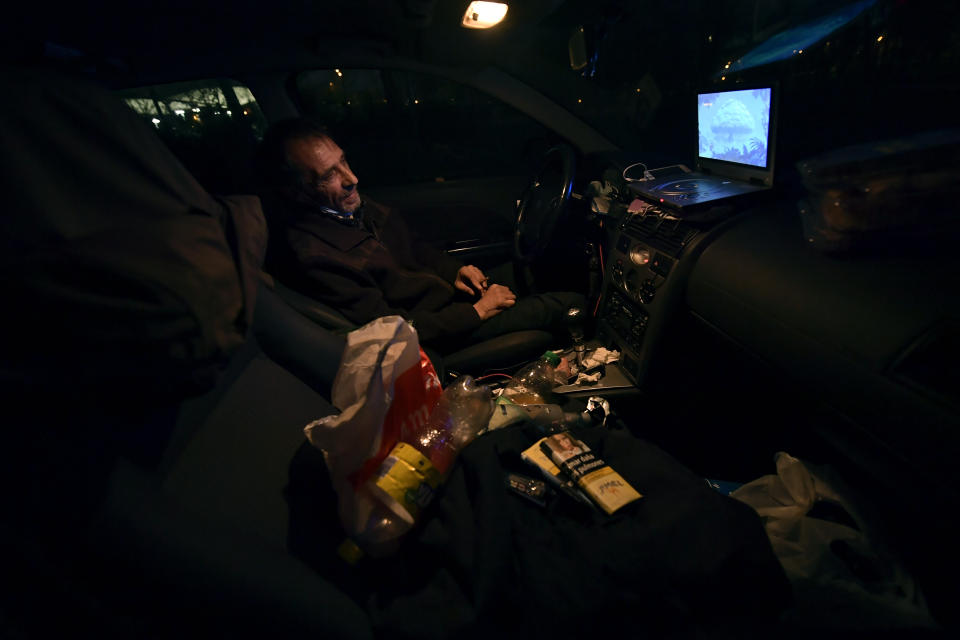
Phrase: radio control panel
(626, 319)
(638, 269)
(643, 255)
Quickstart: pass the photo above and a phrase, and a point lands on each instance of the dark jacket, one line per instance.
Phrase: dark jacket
(377, 269)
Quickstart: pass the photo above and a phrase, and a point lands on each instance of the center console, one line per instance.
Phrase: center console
(641, 267)
(645, 263)
(649, 250)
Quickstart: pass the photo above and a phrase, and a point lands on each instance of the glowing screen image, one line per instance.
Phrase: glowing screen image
(735, 126)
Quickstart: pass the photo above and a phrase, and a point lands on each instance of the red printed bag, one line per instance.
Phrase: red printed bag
(385, 383)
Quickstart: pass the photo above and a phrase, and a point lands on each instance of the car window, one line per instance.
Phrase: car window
(849, 71)
(213, 126)
(400, 127)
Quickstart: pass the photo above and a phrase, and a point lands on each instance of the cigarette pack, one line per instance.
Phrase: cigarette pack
(535, 456)
(574, 460)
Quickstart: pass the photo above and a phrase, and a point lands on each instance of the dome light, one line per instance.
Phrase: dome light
(483, 15)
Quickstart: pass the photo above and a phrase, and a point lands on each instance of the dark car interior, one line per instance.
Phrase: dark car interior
(157, 382)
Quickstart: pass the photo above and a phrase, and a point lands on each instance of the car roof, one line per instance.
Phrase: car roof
(882, 68)
(152, 37)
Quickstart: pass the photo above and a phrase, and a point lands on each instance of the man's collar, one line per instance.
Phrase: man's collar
(337, 231)
(349, 218)
(289, 208)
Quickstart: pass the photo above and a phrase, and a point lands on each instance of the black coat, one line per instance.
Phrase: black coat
(377, 269)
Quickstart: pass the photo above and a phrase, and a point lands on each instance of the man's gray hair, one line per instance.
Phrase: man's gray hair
(274, 168)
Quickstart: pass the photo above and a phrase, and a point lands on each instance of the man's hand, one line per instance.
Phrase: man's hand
(471, 280)
(494, 300)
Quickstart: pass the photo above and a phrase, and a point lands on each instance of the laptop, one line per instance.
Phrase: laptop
(735, 155)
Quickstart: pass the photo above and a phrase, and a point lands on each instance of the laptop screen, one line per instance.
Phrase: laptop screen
(734, 126)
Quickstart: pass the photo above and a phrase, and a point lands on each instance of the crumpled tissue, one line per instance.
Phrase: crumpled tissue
(596, 358)
(599, 356)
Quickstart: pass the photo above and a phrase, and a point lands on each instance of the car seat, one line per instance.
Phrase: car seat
(155, 393)
(208, 524)
(503, 353)
(198, 532)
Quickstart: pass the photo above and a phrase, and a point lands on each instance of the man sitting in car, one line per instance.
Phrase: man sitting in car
(360, 257)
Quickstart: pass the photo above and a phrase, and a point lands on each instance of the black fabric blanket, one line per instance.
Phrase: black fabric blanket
(684, 561)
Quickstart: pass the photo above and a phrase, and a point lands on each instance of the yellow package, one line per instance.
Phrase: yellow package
(575, 460)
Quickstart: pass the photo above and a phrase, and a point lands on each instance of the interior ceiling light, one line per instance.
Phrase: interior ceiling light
(483, 15)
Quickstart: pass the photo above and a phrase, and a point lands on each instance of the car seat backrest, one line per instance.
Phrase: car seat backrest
(147, 510)
(128, 271)
(319, 312)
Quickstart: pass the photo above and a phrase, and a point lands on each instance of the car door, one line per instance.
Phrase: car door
(454, 159)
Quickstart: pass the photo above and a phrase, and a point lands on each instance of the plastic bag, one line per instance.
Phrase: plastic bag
(883, 195)
(842, 575)
(385, 384)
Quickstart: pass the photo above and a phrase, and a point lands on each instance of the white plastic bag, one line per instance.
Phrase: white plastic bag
(384, 382)
(842, 576)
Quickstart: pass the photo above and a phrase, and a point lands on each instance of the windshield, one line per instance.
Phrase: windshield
(848, 72)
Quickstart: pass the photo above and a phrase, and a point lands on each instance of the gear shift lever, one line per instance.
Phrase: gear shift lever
(574, 321)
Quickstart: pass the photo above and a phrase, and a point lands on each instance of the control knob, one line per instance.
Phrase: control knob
(618, 273)
(646, 291)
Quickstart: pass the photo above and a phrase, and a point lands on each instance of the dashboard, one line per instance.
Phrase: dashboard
(649, 254)
(869, 341)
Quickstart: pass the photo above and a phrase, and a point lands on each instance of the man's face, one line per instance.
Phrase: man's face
(328, 180)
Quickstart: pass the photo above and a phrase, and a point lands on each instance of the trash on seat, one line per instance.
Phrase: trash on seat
(397, 435)
(842, 575)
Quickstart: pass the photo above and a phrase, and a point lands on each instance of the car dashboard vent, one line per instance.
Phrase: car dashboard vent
(668, 235)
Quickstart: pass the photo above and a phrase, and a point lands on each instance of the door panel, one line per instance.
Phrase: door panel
(472, 218)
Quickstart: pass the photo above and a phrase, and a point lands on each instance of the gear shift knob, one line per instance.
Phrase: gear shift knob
(574, 321)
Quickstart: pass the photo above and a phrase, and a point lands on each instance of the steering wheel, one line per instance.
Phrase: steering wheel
(542, 203)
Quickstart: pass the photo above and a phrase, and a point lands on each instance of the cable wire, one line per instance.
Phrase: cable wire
(646, 173)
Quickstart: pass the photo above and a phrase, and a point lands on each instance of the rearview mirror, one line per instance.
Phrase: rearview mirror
(577, 47)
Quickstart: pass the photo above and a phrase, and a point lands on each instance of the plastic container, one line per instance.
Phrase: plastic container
(551, 418)
(410, 475)
(533, 384)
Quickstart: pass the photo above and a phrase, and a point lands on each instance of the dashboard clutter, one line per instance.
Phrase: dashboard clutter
(605, 195)
(886, 194)
(591, 370)
(594, 364)
(589, 378)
